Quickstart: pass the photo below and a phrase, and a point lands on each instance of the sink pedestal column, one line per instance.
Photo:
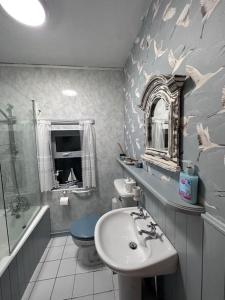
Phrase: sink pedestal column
(129, 287)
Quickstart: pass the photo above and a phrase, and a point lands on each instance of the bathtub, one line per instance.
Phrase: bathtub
(17, 237)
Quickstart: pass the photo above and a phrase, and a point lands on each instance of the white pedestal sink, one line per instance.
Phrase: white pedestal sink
(131, 255)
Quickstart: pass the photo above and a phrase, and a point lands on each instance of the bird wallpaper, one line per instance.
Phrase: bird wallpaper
(184, 38)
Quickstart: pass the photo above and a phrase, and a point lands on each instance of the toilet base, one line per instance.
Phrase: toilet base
(89, 256)
(87, 253)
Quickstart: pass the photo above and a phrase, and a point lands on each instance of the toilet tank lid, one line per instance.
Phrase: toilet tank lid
(84, 228)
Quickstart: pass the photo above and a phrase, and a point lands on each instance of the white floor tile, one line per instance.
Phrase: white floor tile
(83, 285)
(69, 240)
(70, 251)
(36, 272)
(26, 294)
(103, 281)
(63, 288)
(54, 253)
(84, 269)
(44, 255)
(59, 241)
(42, 290)
(115, 282)
(49, 270)
(67, 267)
(105, 296)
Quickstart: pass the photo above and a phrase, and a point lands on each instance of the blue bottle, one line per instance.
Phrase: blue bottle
(188, 184)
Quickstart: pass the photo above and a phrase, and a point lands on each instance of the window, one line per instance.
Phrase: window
(66, 150)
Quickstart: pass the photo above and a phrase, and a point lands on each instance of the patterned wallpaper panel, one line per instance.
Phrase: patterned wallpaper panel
(187, 38)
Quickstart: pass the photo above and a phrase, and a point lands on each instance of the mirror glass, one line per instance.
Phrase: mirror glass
(158, 124)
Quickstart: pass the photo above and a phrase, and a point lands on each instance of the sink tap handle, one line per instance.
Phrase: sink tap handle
(152, 225)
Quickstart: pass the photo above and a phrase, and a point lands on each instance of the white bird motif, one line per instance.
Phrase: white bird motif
(132, 82)
(148, 41)
(158, 50)
(204, 139)
(137, 143)
(137, 40)
(133, 109)
(169, 12)
(223, 105)
(133, 60)
(223, 101)
(184, 17)
(147, 76)
(142, 44)
(175, 62)
(139, 67)
(137, 93)
(155, 9)
(207, 8)
(198, 78)
(140, 123)
(184, 124)
(128, 76)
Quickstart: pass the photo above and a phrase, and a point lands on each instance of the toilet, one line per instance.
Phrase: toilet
(82, 232)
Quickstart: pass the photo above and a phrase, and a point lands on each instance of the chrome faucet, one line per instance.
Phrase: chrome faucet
(140, 214)
(152, 233)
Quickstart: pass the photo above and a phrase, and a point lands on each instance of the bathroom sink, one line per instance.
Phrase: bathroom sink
(124, 250)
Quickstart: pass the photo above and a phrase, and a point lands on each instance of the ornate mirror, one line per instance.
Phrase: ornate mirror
(161, 105)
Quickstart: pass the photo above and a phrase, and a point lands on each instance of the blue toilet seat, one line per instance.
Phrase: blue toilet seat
(84, 228)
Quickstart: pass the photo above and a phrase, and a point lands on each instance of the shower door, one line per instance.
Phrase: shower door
(19, 167)
(4, 245)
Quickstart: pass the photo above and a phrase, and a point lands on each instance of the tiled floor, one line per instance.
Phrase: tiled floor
(60, 275)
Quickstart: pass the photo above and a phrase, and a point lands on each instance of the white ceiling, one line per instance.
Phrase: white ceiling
(89, 33)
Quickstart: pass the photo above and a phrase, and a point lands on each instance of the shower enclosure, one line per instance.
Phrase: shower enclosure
(20, 197)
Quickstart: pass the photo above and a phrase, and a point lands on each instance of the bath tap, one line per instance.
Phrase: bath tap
(17, 205)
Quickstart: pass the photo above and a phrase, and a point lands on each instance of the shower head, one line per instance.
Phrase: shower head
(4, 114)
(10, 119)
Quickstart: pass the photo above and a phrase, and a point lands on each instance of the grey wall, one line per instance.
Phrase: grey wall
(100, 97)
(24, 133)
(201, 104)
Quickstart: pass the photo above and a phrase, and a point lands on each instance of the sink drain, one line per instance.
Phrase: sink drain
(133, 245)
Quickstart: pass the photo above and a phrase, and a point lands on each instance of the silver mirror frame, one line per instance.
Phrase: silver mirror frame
(168, 88)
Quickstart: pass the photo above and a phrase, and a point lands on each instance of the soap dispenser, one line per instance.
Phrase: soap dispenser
(188, 184)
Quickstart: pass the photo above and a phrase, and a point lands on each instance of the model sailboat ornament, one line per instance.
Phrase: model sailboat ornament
(71, 177)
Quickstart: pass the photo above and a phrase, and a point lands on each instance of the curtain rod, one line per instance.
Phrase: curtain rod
(67, 122)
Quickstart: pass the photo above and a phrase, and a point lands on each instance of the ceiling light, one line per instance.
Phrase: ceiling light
(28, 12)
(69, 93)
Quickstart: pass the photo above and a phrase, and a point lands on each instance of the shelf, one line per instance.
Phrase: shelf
(153, 185)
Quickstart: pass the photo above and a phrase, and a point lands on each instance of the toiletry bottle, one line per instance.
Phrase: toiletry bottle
(188, 184)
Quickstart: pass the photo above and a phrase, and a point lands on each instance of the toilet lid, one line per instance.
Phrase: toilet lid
(84, 228)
